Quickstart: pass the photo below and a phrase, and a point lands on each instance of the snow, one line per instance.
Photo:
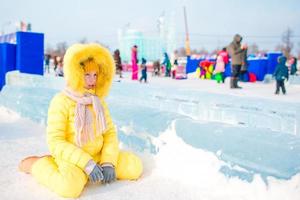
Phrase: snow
(197, 139)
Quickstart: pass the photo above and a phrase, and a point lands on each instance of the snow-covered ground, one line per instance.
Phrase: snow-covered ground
(197, 139)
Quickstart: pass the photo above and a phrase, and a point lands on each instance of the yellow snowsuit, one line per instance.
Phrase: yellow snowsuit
(63, 171)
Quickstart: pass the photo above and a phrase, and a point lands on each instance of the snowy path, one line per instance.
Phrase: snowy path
(181, 133)
(169, 175)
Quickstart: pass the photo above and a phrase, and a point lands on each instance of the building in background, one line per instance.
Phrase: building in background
(151, 46)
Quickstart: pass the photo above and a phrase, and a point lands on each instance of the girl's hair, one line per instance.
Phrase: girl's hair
(89, 65)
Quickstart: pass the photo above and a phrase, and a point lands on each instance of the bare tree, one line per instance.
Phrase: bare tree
(194, 51)
(287, 43)
(181, 52)
(253, 49)
(299, 51)
(83, 40)
(202, 51)
(61, 48)
(279, 47)
(49, 49)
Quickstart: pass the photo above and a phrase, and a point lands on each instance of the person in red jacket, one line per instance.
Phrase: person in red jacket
(225, 55)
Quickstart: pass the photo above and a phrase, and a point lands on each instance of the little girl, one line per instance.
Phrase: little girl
(281, 74)
(81, 136)
(144, 70)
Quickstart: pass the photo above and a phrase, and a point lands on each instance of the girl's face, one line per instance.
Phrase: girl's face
(90, 79)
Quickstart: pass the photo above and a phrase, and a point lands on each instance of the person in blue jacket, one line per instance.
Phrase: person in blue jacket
(293, 66)
(281, 73)
(144, 70)
(167, 64)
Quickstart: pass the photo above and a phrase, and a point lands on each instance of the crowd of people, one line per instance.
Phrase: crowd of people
(236, 52)
(239, 65)
(56, 62)
(168, 67)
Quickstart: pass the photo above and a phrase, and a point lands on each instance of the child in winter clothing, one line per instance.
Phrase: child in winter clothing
(47, 63)
(219, 69)
(81, 135)
(174, 68)
(156, 68)
(144, 70)
(167, 64)
(174, 61)
(281, 73)
(59, 70)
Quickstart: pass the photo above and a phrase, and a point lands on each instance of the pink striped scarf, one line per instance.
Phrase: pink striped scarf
(84, 117)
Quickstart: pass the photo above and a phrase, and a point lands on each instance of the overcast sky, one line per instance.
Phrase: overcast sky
(212, 23)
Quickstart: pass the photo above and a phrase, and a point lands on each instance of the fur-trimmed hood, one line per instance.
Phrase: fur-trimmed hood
(74, 72)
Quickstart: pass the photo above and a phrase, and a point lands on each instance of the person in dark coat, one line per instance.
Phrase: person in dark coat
(144, 70)
(293, 65)
(47, 63)
(55, 62)
(118, 62)
(281, 73)
(156, 68)
(237, 53)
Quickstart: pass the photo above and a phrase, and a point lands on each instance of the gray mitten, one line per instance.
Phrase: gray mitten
(109, 173)
(94, 172)
(96, 175)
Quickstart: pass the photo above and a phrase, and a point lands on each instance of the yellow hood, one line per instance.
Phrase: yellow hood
(74, 72)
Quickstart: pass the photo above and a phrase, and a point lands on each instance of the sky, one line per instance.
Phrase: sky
(211, 23)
